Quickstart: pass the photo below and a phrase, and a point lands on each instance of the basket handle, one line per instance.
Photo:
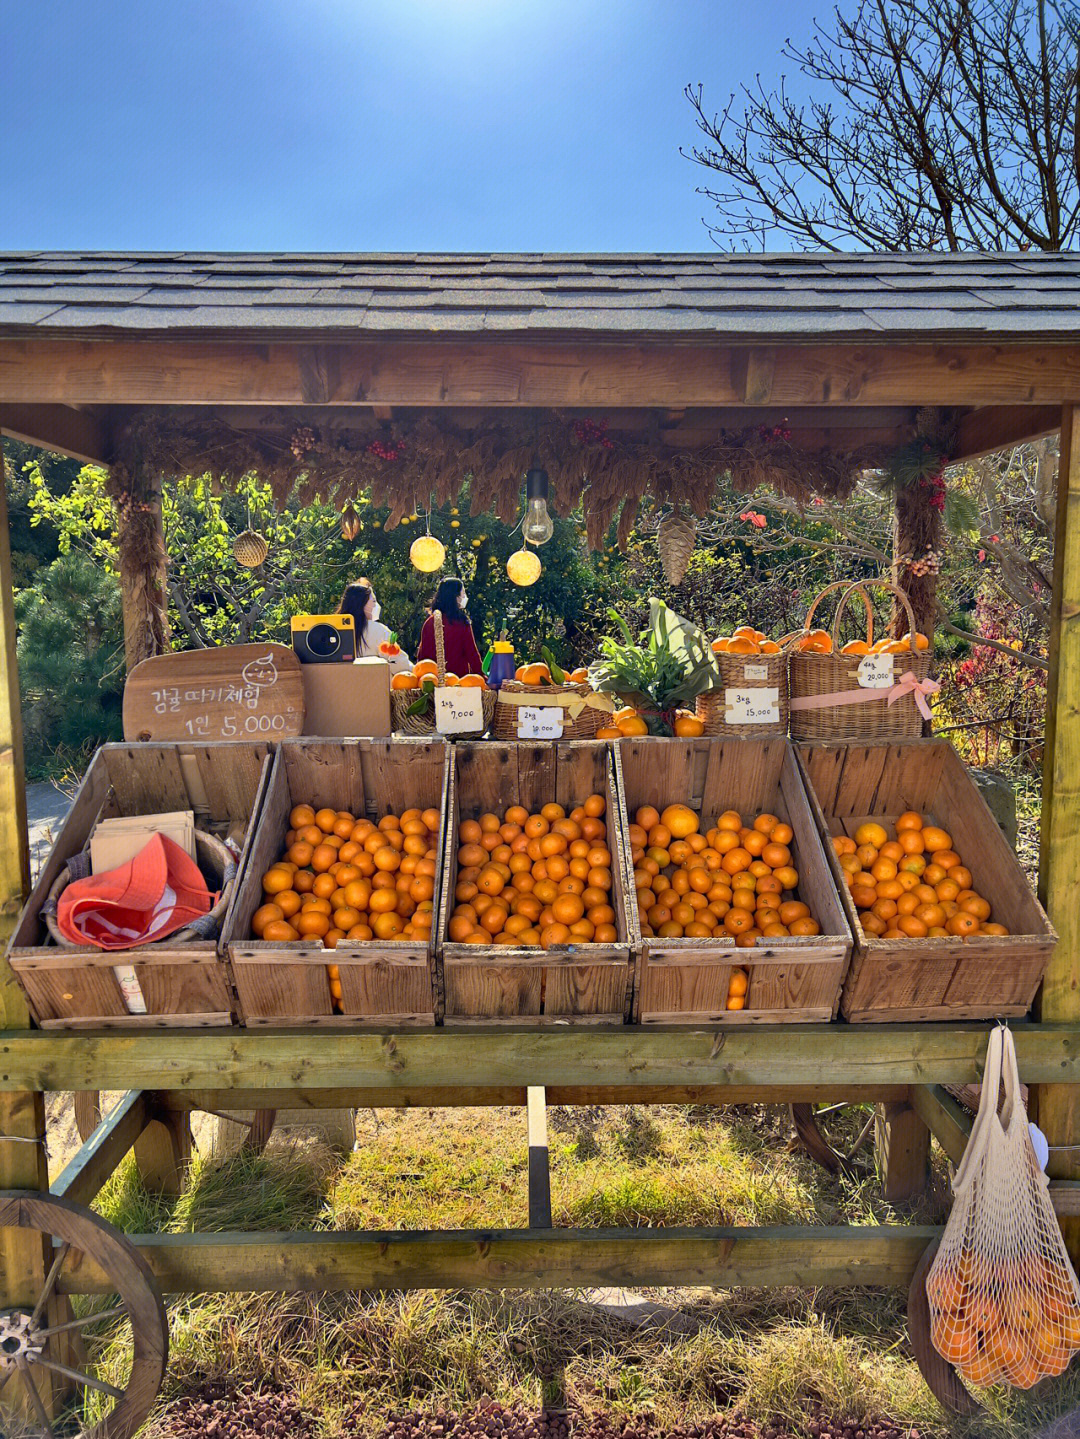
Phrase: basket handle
(881, 583)
(846, 586)
(440, 647)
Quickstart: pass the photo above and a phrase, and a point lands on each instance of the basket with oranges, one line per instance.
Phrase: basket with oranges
(749, 696)
(848, 690)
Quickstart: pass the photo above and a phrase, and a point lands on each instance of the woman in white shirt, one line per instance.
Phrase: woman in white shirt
(360, 602)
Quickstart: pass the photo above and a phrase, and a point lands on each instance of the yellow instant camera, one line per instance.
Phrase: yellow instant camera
(324, 639)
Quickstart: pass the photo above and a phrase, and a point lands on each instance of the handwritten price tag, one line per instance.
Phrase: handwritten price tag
(756, 706)
(458, 711)
(540, 722)
(876, 672)
(755, 672)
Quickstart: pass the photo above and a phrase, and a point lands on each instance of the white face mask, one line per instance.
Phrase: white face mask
(373, 609)
(463, 601)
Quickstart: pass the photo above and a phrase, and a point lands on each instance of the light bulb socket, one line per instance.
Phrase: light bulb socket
(536, 483)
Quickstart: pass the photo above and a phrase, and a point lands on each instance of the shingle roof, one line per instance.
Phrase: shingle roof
(796, 296)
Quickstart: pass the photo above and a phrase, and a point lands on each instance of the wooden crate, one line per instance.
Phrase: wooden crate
(567, 984)
(685, 981)
(382, 981)
(183, 984)
(986, 977)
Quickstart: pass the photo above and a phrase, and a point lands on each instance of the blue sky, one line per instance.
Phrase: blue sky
(366, 124)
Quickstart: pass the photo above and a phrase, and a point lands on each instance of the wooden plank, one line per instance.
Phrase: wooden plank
(903, 1145)
(1056, 1108)
(150, 370)
(949, 1122)
(512, 1096)
(90, 1167)
(760, 374)
(520, 1259)
(985, 430)
(539, 1169)
(69, 432)
(230, 692)
(778, 1055)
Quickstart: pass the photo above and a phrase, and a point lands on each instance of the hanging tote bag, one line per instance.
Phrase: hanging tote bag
(1004, 1300)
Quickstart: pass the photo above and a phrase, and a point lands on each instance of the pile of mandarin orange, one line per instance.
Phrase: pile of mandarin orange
(734, 883)
(533, 880)
(913, 885)
(343, 878)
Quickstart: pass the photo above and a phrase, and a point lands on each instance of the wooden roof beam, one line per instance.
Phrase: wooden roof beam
(154, 371)
(984, 431)
(59, 427)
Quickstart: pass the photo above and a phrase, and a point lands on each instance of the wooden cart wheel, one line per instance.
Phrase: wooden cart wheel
(941, 1378)
(260, 1125)
(31, 1351)
(825, 1132)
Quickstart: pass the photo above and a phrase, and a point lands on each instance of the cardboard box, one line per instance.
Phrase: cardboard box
(351, 699)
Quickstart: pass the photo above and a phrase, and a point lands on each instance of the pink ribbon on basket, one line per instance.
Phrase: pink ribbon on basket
(907, 684)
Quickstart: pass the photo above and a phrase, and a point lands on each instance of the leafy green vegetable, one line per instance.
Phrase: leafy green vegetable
(653, 672)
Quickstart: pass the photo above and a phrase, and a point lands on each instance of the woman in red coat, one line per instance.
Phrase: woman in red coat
(462, 656)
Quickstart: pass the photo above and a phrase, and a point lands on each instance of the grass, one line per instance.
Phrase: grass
(767, 1353)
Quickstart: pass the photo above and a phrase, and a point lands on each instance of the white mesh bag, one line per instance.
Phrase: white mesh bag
(1004, 1300)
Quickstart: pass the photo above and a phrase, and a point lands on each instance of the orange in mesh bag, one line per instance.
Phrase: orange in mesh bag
(1004, 1300)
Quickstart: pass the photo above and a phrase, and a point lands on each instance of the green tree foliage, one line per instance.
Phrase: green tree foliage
(70, 653)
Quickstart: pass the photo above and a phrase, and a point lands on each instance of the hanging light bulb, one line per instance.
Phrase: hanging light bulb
(538, 527)
(427, 553)
(523, 567)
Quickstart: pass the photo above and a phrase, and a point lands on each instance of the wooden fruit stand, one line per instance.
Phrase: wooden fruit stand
(840, 349)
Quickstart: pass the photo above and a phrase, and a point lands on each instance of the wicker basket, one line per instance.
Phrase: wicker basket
(218, 868)
(814, 676)
(745, 672)
(424, 724)
(506, 713)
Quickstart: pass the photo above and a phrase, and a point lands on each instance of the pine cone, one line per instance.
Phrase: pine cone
(675, 540)
(350, 523)
(250, 549)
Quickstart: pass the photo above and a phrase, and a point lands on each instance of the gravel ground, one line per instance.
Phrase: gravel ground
(217, 1412)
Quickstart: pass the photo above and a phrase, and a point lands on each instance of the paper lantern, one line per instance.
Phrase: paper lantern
(523, 567)
(250, 549)
(427, 553)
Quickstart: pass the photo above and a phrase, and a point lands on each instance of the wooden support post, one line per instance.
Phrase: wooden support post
(87, 1170)
(539, 1170)
(949, 1122)
(1057, 1106)
(143, 562)
(903, 1142)
(24, 1255)
(163, 1151)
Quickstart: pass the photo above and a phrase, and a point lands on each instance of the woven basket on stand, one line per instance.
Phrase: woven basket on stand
(814, 676)
(584, 726)
(218, 868)
(424, 724)
(745, 672)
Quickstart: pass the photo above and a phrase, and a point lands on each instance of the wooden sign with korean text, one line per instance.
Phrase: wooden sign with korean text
(230, 692)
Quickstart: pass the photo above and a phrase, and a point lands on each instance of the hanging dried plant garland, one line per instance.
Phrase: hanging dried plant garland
(403, 463)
